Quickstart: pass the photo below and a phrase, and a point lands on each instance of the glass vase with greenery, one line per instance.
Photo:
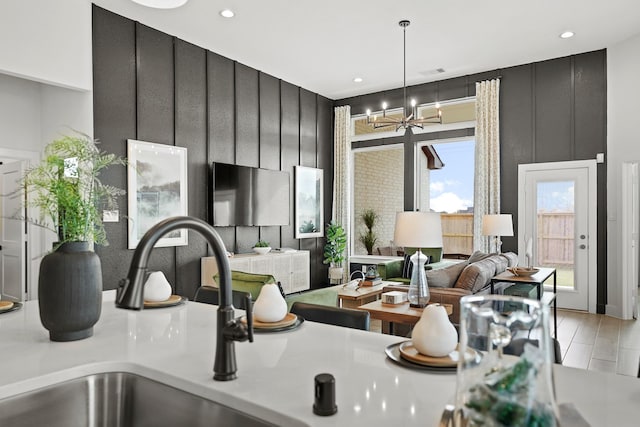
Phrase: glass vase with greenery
(66, 189)
(369, 218)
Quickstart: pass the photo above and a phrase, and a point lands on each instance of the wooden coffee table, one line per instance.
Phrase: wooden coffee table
(354, 298)
(397, 313)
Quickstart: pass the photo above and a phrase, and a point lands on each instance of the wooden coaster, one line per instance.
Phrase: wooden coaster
(288, 320)
(409, 352)
(6, 305)
(173, 300)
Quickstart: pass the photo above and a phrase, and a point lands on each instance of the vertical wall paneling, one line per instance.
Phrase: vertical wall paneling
(325, 162)
(151, 86)
(114, 107)
(308, 157)
(289, 149)
(155, 110)
(191, 132)
(553, 110)
(221, 108)
(270, 139)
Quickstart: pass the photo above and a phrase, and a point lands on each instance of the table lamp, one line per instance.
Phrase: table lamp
(497, 225)
(418, 230)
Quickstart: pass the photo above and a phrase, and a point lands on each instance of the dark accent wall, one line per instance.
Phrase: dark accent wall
(154, 87)
(550, 111)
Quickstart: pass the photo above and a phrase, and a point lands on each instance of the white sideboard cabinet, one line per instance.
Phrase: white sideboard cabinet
(291, 269)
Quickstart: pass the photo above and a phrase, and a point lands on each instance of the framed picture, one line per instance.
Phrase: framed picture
(308, 199)
(157, 189)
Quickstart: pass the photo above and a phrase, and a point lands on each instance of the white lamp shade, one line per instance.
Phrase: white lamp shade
(497, 225)
(161, 4)
(418, 230)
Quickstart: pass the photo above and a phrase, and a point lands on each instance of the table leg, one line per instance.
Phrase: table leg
(391, 330)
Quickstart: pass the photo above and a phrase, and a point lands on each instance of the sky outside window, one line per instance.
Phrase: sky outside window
(451, 188)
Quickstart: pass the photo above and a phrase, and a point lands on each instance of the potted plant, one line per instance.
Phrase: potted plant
(261, 247)
(66, 190)
(334, 250)
(368, 238)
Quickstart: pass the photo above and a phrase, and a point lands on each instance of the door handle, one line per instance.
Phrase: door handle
(583, 246)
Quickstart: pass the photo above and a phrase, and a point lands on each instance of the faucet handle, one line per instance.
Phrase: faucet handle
(248, 304)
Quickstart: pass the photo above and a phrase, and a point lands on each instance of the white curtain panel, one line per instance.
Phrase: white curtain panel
(487, 162)
(342, 175)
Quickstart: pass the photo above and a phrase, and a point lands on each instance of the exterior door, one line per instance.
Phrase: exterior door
(12, 240)
(557, 211)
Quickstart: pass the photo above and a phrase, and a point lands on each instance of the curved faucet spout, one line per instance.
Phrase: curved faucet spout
(131, 289)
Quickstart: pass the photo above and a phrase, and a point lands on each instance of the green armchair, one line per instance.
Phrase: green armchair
(392, 270)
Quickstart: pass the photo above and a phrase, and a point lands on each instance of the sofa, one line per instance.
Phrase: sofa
(252, 283)
(449, 283)
(391, 270)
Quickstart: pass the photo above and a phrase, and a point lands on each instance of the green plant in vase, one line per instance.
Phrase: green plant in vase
(334, 250)
(261, 247)
(369, 218)
(66, 189)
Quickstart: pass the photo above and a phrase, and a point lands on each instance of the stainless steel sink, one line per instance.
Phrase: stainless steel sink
(117, 399)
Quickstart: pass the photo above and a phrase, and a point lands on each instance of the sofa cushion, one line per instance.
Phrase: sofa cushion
(477, 275)
(501, 263)
(512, 258)
(478, 256)
(445, 277)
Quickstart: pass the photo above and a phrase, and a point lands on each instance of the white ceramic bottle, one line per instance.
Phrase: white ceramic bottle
(157, 288)
(434, 335)
(270, 306)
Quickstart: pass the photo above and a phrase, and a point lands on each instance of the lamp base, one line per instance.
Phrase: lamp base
(418, 289)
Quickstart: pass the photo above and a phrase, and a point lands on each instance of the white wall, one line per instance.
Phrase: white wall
(623, 144)
(47, 41)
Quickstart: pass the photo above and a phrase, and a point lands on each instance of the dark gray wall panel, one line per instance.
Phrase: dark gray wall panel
(247, 116)
(191, 132)
(553, 114)
(307, 128)
(590, 104)
(155, 111)
(289, 148)
(246, 237)
(271, 234)
(221, 108)
(114, 107)
(269, 122)
(516, 139)
(452, 89)
(325, 162)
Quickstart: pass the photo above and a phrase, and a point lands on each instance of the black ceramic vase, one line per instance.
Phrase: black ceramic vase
(70, 291)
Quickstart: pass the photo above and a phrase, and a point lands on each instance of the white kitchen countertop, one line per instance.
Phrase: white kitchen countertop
(276, 372)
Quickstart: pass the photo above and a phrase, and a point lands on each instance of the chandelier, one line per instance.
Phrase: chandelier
(404, 122)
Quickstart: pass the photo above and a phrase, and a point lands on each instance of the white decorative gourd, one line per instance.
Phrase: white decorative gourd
(270, 306)
(157, 288)
(434, 335)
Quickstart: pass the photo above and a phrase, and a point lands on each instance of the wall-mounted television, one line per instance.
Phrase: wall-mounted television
(248, 196)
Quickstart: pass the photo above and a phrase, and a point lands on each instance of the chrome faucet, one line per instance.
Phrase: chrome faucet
(130, 290)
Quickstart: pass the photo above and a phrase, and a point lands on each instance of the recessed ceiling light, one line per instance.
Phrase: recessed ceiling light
(357, 79)
(227, 13)
(567, 35)
(161, 4)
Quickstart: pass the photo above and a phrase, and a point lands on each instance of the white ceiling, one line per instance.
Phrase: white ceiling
(321, 45)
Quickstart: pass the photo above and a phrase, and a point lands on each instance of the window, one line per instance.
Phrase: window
(378, 184)
(449, 190)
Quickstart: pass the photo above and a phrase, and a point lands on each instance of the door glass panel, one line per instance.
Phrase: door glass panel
(555, 243)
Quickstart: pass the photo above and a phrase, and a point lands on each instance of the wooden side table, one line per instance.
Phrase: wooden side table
(397, 313)
(538, 280)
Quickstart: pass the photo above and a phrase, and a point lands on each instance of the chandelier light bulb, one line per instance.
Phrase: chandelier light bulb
(413, 102)
(384, 105)
(368, 112)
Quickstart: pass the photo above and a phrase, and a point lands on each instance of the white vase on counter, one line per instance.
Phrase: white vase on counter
(157, 288)
(434, 335)
(270, 306)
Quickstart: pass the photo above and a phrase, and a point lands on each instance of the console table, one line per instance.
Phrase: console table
(291, 269)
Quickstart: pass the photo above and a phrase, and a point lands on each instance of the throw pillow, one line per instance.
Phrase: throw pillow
(445, 277)
(511, 257)
(476, 276)
(477, 256)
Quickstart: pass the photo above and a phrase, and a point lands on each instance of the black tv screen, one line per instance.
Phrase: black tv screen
(247, 196)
